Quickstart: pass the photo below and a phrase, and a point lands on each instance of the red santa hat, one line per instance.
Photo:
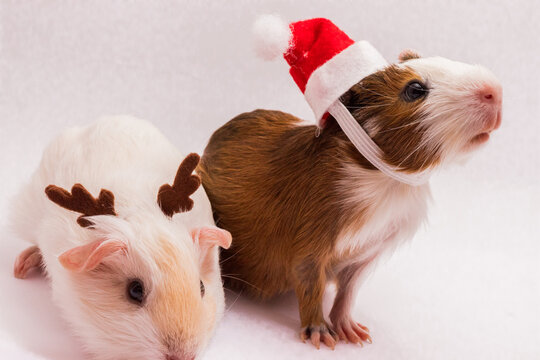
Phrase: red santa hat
(324, 61)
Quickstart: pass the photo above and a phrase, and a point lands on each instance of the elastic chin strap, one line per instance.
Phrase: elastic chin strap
(369, 149)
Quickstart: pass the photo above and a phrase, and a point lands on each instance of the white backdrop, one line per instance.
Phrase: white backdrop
(466, 287)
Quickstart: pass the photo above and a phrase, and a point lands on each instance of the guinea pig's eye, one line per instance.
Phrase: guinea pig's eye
(135, 291)
(414, 91)
(203, 290)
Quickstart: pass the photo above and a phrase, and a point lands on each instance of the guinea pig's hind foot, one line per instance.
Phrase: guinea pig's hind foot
(318, 333)
(27, 260)
(349, 330)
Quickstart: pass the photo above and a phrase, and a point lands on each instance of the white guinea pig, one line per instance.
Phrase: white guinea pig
(135, 272)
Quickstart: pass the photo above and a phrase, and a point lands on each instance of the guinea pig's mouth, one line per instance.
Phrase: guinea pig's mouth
(479, 139)
(492, 124)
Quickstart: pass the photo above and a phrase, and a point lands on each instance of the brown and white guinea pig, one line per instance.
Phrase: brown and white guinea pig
(134, 269)
(304, 209)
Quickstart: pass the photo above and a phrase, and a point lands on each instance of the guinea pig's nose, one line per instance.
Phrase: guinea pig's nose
(490, 94)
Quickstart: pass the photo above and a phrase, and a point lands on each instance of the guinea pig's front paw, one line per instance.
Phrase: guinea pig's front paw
(351, 331)
(26, 261)
(319, 332)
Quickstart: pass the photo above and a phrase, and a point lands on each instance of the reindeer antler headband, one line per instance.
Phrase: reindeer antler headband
(174, 199)
(171, 199)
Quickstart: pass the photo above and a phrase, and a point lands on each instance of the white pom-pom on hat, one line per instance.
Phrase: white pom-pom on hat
(271, 36)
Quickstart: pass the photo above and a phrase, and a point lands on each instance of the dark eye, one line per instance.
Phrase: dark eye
(414, 91)
(135, 291)
(203, 290)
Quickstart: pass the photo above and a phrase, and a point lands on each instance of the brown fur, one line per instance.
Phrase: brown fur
(272, 212)
(274, 185)
(378, 97)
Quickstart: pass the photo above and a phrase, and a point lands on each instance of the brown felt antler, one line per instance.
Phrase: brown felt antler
(81, 201)
(175, 199)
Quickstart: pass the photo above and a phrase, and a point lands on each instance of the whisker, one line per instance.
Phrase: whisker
(242, 280)
(227, 259)
(398, 127)
(402, 126)
(422, 144)
(234, 302)
(381, 95)
(368, 106)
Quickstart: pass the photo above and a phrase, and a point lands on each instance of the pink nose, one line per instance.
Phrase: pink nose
(490, 94)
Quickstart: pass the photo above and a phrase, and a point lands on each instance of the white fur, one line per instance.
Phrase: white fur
(392, 211)
(131, 158)
(454, 110)
(271, 37)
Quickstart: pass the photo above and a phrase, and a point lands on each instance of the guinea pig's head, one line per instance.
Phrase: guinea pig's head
(142, 285)
(426, 111)
(146, 289)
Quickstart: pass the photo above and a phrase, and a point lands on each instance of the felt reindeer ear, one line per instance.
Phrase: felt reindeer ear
(174, 198)
(88, 257)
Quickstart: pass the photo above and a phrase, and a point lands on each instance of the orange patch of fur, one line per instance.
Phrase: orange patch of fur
(177, 310)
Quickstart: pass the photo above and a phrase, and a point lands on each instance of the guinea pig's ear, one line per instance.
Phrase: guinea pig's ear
(207, 238)
(408, 54)
(210, 236)
(88, 257)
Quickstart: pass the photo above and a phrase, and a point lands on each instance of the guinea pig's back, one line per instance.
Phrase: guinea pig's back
(251, 128)
(239, 138)
(116, 153)
(110, 145)
(239, 152)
